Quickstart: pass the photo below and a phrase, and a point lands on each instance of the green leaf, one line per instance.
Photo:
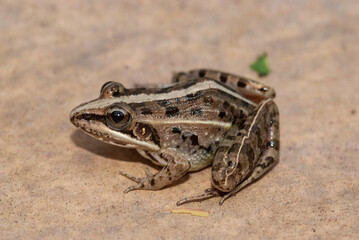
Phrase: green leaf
(261, 65)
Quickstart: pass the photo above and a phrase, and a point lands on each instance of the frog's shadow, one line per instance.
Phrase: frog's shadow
(84, 141)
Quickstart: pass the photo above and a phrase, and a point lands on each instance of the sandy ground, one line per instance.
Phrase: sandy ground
(58, 183)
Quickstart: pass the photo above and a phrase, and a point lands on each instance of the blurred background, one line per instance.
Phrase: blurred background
(58, 183)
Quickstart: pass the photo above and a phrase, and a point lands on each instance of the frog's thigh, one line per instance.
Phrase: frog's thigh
(239, 83)
(179, 77)
(175, 168)
(253, 152)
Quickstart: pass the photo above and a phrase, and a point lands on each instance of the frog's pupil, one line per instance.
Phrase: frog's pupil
(117, 116)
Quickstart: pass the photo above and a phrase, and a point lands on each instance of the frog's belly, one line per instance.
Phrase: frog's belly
(199, 160)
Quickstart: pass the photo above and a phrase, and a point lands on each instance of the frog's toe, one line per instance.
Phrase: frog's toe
(135, 179)
(208, 193)
(148, 173)
(135, 187)
(144, 183)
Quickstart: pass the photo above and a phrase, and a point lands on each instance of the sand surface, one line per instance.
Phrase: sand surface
(58, 183)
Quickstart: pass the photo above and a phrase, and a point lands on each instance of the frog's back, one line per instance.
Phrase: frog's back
(193, 117)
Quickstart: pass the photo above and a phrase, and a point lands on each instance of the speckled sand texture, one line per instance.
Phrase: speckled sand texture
(58, 183)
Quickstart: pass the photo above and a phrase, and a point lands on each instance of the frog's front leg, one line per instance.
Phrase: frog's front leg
(253, 153)
(175, 168)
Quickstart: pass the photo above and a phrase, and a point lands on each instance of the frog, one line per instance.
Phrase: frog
(204, 118)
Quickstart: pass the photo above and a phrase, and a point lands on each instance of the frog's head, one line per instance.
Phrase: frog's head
(110, 119)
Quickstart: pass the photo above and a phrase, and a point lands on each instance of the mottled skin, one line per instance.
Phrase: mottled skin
(207, 117)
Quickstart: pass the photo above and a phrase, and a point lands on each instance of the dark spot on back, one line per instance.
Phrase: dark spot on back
(229, 137)
(176, 130)
(191, 96)
(208, 100)
(194, 139)
(225, 104)
(171, 111)
(146, 111)
(196, 112)
(202, 73)
(184, 137)
(241, 83)
(222, 149)
(152, 182)
(221, 114)
(223, 77)
(163, 102)
(234, 148)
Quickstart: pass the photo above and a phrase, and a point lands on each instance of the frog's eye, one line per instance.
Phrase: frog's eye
(105, 85)
(117, 118)
(112, 89)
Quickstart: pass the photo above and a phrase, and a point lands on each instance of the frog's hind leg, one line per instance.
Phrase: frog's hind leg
(258, 151)
(267, 161)
(249, 88)
(246, 154)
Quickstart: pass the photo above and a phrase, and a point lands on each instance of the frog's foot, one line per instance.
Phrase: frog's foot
(176, 167)
(208, 193)
(149, 175)
(142, 183)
